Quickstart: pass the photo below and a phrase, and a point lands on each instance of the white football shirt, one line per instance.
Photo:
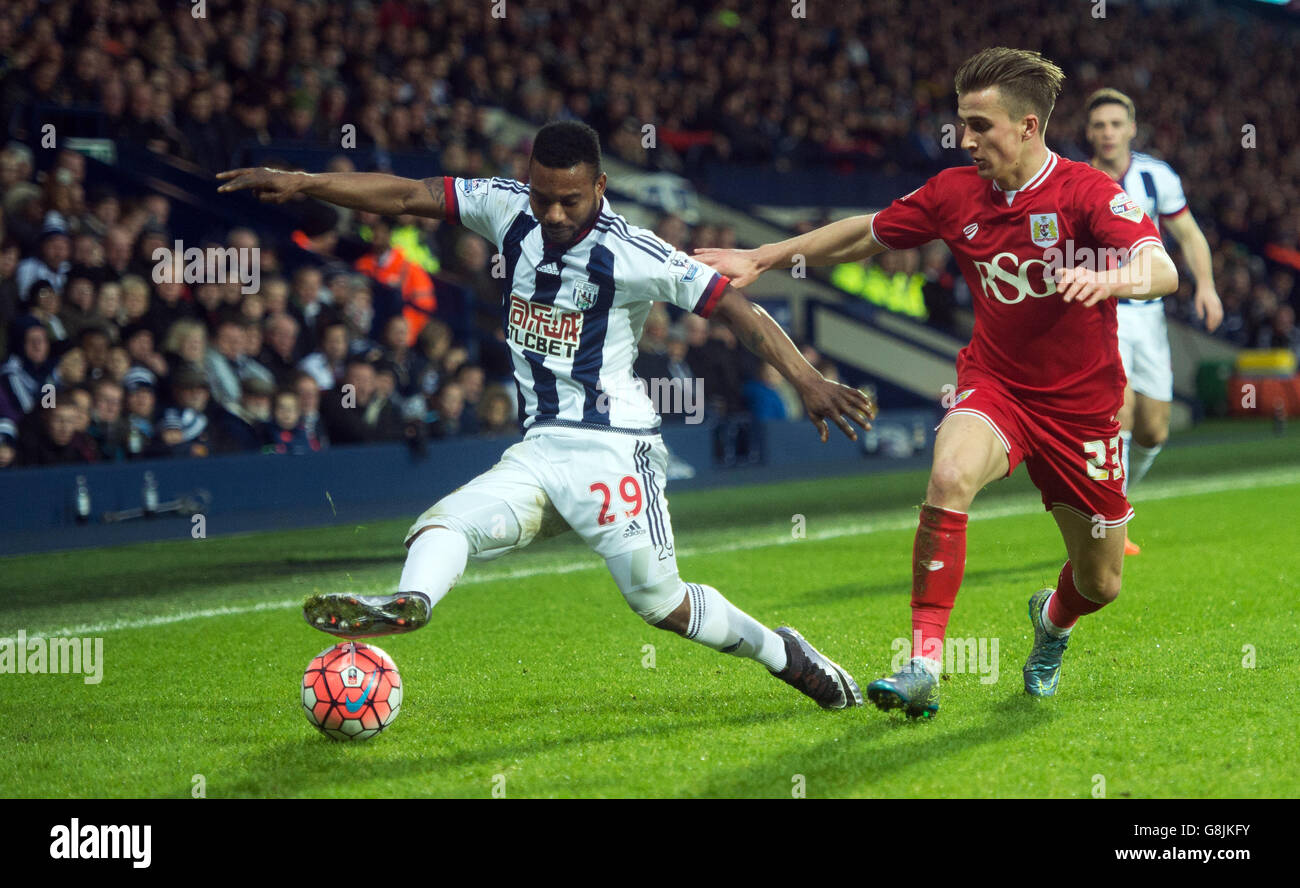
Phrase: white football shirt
(1158, 190)
(573, 314)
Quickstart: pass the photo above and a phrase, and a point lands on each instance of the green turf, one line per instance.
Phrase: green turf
(534, 668)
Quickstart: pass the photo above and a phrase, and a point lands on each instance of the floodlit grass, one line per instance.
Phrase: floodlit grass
(534, 668)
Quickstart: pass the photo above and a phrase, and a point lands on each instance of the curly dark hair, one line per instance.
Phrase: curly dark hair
(567, 143)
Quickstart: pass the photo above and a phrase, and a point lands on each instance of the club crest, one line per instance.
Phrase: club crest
(585, 294)
(1043, 230)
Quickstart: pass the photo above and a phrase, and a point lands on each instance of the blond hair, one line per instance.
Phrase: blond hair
(180, 329)
(1027, 82)
(1108, 96)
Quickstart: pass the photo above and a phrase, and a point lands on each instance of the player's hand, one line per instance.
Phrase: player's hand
(1209, 308)
(830, 400)
(1081, 285)
(271, 186)
(742, 266)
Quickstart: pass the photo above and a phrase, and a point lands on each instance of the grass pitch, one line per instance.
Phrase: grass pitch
(536, 679)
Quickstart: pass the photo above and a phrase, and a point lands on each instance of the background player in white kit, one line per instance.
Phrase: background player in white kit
(579, 282)
(1143, 335)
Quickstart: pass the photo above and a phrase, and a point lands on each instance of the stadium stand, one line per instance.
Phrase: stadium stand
(118, 114)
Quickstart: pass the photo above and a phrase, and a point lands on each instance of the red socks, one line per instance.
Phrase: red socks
(1066, 605)
(938, 561)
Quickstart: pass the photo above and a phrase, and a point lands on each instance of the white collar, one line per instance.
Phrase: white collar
(1049, 164)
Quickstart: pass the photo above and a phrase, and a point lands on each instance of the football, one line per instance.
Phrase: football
(351, 691)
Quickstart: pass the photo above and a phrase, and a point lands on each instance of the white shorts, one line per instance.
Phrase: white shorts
(607, 486)
(1144, 349)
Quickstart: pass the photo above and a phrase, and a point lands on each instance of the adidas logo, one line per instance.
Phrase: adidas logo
(632, 530)
(549, 268)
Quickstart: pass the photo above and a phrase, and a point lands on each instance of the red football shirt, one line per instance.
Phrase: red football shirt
(1060, 358)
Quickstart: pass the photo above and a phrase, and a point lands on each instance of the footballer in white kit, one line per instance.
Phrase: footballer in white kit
(579, 282)
(1143, 333)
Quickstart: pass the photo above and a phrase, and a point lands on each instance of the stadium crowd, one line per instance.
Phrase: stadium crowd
(106, 361)
(157, 368)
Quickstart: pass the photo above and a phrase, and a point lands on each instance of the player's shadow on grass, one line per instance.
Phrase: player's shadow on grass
(869, 753)
(309, 765)
(901, 585)
(129, 581)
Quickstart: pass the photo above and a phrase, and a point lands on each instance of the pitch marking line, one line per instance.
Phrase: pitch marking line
(899, 520)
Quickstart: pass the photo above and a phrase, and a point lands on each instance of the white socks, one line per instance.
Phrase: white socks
(933, 667)
(1125, 441)
(1140, 460)
(719, 624)
(1052, 628)
(437, 558)
(1136, 458)
(434, 563)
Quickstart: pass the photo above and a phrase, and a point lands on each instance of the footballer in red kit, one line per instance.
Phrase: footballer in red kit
(1046, 245)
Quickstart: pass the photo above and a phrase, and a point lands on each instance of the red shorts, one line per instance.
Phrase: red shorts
(1074, 465)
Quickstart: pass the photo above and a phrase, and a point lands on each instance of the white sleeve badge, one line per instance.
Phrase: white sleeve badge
(1123, 205)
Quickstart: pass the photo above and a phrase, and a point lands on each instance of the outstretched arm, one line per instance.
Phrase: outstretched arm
(1197, 250)
(1148, 274)
(822, 398)
(373, 192)
(844, 241)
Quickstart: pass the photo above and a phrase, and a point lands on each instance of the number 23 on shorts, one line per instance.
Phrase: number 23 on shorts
(1101, 455)
(629, 489)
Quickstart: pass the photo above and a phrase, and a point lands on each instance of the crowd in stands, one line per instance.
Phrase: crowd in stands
(102, 361)
(859, 88)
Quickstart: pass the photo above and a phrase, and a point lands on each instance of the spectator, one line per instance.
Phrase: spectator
(722, 369)
(140, 386)
(70, 370)
(50, 263)
(168, 309)
(433, 343)
(95, 343)
(28, 365)
(228, 365)
(118, 362)
(309, 297)
(308, 392)
(404, 359)
(79, 311)
(654, 336)
(280, 353)
(186, 343)
(327, 365)
(286, 433)
(135, 300)
(241, 426)
(353, 414)
(389, 264)
(471, 380)
(764, 398)
(44, 302)
(139, 343)
(53, 437)
(449, 405)
(496, 413)
(108, 428)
